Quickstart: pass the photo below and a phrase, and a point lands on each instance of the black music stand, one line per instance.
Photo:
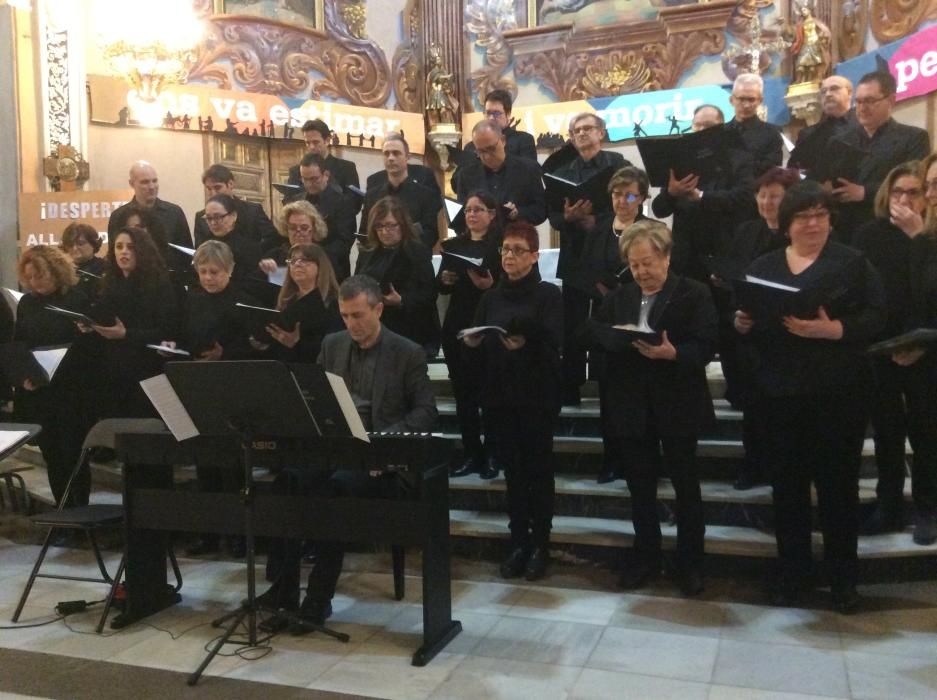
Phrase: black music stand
(246, 399)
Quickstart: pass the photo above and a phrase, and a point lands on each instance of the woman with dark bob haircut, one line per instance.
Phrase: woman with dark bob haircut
(82, 243)
(396, 259)
(138, 307)
(813, 374)
(520, 392)
(905, 400)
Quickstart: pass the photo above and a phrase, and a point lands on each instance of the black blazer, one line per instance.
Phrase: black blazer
(762, 141)
(342, 172)
(670, 396)
(522, 185)
(252, 223)
(422, 204)
(417, 173)
(516, 143)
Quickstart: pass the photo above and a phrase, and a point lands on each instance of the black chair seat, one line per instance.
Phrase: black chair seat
(95, 515)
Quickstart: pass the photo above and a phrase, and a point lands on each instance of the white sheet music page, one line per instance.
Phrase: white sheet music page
(50, 359)
(347, 404)
(166, 402)
(8, 438)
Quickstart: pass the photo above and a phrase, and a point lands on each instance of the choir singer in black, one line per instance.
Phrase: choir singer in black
(658, 397)
(814, 376)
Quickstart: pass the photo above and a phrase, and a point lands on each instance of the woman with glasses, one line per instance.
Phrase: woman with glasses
(395, 258)
(49, 276)
(905, 403)
(464, 285)
(82, 242)
(520, 392)
(299, 223)
(597, 271)
(657, 397)
(813, 374)
(308, 305)
(221, 216)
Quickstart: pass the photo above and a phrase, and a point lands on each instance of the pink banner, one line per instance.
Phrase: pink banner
(914, 64)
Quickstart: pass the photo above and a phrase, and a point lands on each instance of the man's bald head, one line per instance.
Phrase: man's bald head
(145, 183)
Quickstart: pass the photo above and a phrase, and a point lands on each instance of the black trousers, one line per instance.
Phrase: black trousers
(525, 450)
(466, 381)
(575, 312)
(613, 458)
(284, 559)
(905, 406)
(817, 438)
(679, 460)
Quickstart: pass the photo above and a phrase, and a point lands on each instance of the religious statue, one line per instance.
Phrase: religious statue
(811, 48)
(440, 102)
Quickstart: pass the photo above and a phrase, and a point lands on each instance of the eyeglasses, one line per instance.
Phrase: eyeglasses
(584, 129)
(387, 227)
(488, 150)
(494, 114)
(299, 262)
(913, 193)
(477, 210)
(831, 88)
(805, 216)
(629, 197)
(869, 101)
(303, 228)
(215, 218)
(514, 250)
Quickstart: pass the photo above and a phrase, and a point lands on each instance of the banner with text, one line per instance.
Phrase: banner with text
(196, 107)
(44, 215)
(655, 113)
(912, 60)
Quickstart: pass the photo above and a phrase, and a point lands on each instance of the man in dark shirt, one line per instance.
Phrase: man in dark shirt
(886, 144)
(387, 378)
(838, 115)
(335, 207)
(574, 222)
(145, 184)
(514, 182)
(252, 220)
(316, 134)
(762, 140)
(498, 104)
(422, 204)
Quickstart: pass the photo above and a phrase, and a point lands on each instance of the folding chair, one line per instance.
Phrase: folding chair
(92, 518)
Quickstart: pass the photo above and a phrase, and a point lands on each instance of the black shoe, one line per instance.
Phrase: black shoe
(490, 470)
(201, 546)
(846, 600)
(274, 624)
(608, 475)
(275, 599)
(537, 564)
(237, 547)
(691, 583)
(925, 530)
(637, 575)
(882, 521)
(469, 466)
(311, 612)
(515, 564)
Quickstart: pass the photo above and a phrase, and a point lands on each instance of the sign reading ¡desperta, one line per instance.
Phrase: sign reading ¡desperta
(912, 60)
(652, 111)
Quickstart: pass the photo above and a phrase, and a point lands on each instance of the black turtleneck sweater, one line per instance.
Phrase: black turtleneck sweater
(527, 378)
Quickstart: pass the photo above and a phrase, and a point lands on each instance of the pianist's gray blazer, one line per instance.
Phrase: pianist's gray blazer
(401, 397)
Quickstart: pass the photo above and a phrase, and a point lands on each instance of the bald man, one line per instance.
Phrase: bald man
(838, 115)
(145, 184)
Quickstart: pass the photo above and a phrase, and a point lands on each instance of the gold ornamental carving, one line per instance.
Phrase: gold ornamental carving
(355, 16)
(268, 57)
(578, 63)
(408, 68)
(488, 20)
(853, 19)
(894, 19)
(66, 168)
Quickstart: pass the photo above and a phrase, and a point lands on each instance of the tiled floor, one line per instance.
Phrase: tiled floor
(557, 640)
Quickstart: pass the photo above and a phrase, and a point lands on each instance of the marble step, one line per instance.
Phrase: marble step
(720, 539)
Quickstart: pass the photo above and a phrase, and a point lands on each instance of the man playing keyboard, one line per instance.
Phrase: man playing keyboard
(387, 378)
